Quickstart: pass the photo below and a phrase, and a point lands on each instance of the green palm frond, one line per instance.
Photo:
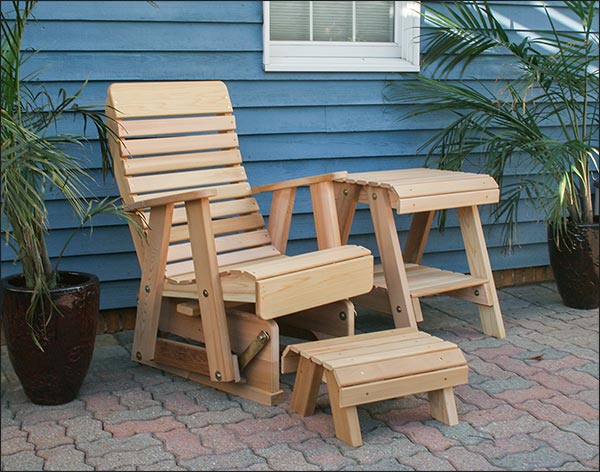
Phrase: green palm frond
(37, 159)
(543, 119)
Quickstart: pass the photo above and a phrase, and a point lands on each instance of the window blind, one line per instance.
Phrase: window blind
(347, 21)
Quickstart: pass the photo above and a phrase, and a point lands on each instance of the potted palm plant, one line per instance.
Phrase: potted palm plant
(540, 117)
(48, 316)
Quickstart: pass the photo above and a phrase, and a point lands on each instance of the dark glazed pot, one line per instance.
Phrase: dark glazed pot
(574, 261)
(53, 376)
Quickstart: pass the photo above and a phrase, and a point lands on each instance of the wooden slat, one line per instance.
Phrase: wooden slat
(263, 270)
(228, 225)
(223, 191)
(377, 177)
(183, 272)
(294, 349)
(293, 292)
(403, 386)
(164, 126)
(350, 344)
(220, 209)
(172, 180)
(399, 367)
(424, 281)
(181, 356)
(150, 146)
(384, 352)
(454, 200)
(170, 163)
(443, 186)
(232, 242)
(190, 308)
(148, 99)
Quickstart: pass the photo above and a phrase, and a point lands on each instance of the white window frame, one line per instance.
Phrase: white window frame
(331, 56)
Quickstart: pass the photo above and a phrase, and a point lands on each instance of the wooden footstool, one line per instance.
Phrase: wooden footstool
(375, 366)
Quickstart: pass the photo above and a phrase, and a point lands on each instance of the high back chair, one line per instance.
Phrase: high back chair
(213, 278)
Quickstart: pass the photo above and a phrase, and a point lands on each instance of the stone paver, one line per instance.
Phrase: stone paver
(531, 404)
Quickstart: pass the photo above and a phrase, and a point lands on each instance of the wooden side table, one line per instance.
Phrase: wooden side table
(401, 280)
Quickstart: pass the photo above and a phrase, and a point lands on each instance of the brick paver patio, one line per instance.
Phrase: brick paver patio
(531, 404)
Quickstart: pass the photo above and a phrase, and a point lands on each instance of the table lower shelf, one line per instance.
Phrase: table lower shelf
(424, 281)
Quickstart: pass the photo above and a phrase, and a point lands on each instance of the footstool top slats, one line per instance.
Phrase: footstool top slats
(381, 352)
(332, 344)
(419, 363)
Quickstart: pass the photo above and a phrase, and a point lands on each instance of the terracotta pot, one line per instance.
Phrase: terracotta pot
(53, 376)
(574, 261)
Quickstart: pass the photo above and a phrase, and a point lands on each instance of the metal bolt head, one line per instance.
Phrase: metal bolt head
(374, 195)
(138, 356)
(345, 191)
(263, 336)
(147, 288)
(342, 315)
(205, 292)
(476, 293)
(399, 309)
(218, 375)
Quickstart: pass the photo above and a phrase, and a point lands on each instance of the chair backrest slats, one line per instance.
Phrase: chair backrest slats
(172, 145)
(159, 99)
(176, 162)
(238, 190)
(166, 126)
(177, 137)
(195, 178)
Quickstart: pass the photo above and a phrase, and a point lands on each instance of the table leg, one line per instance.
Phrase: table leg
(415, 246)
(391, 258)
(479, 265)
(417, 236)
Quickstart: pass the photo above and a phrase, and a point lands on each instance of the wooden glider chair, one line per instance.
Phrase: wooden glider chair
(213, 279)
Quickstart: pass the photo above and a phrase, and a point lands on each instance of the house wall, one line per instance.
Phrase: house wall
(290, 124)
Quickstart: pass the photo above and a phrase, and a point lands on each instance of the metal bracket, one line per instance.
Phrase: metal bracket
(253, 349)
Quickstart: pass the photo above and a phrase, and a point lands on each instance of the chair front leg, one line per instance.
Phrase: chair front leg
(223, 365)
(151, 284)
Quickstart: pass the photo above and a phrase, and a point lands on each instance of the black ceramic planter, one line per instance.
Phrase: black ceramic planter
(574, 261)
(53, 376)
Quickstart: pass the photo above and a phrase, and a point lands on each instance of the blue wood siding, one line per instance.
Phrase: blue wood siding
(290, 124)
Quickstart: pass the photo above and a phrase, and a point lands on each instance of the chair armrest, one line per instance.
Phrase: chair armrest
(175, 198)
(301, 182)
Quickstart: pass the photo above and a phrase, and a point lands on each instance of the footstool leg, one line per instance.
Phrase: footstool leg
(306, 387)
(345, 420)
(443, 406)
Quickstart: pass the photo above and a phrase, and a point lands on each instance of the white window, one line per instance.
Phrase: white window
(335, 36)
